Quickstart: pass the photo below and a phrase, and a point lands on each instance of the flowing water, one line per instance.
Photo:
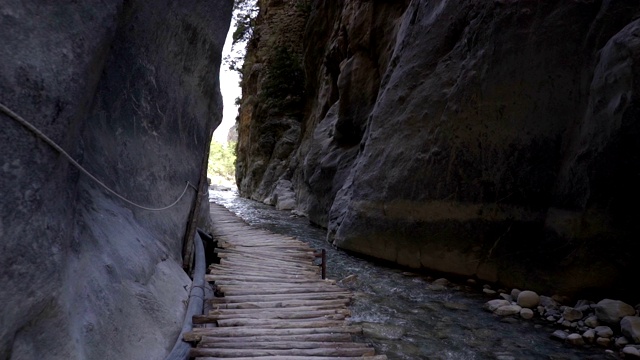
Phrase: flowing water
(404, 315)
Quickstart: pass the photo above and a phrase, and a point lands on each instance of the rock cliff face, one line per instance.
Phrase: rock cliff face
(129, 89)
(493, 139)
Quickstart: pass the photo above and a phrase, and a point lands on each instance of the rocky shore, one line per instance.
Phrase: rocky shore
(611, 324)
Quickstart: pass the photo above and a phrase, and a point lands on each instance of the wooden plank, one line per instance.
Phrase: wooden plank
(277, 324)
(320, 304)
(335, 337)
(281, 297)
(329, 351)
(197, 333)
(291, 344)
(282, 357)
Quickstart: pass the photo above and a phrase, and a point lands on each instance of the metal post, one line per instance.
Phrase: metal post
(324, 264)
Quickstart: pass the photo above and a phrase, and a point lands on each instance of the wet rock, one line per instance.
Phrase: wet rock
(571, 314)
(548, 302)
(471, 281)
(488, 291)
(622, 341)
(441, 281)
(550, 319)
(630, 326)
(559, 335)
(575, 339)
(528, 299)
(631, 352)
(602, 341)
(592, 321)
(589, 336)
(604, 331)
(350, 279)
(541, 310)
(526, 313)
(382, 331)
(514, 293)
(612, 311)
(566, 323)
(507, 310)
(506, 297)
(492, 305)
(509, 320)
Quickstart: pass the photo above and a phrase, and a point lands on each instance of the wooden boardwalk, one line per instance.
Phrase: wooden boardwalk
(275, 304)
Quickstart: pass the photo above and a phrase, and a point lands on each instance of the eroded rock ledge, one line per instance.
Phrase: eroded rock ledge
(492, 139)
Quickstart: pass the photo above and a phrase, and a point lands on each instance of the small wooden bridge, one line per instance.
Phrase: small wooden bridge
(271, 301)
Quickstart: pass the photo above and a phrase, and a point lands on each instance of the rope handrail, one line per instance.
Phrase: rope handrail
(73, 162)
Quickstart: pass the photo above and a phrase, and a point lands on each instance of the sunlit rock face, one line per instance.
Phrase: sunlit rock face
(491, 139)
(130, 90)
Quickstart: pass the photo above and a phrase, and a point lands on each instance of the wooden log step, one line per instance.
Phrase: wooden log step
(278, 324)
(247, 268)
(320, 304)
(281, 297)
(299, 309)
(281, 290)
(240, 279)
(197, 333)
(291, 344)
(280, 357)
(238, 249)
(273, 282)
(290, 316)
(284, 259)
(265, 263)
(336, 338)
(329, 351)
(223, 270)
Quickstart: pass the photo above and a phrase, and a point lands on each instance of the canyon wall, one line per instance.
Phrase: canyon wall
(129, 89)
(487, 139)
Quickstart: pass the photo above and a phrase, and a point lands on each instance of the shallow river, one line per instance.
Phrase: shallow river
(405, 318)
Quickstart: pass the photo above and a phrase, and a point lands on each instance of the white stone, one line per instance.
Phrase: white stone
(528, 299)
(508, 310)
(526, 313)
(630, 326)
(492, 305)
(575, 339)
(506, 297)
(612, 311)
(604, 331)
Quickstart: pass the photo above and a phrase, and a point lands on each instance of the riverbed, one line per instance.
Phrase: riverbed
(406, 316)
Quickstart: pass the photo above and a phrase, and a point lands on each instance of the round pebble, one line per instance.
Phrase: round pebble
(575, 339)
(526, 313)
(528, 299)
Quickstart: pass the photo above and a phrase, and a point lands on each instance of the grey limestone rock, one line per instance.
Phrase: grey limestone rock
(612, 311)
(129, 89)
(630, 326)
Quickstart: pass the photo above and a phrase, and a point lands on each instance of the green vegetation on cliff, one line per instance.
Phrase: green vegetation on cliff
(222, 159)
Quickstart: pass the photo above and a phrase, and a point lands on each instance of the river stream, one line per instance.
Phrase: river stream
(404, 315)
